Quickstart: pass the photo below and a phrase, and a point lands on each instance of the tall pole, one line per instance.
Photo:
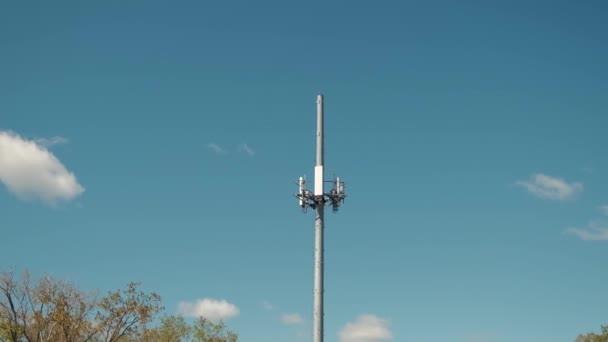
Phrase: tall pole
(317, 200)
(319, 208)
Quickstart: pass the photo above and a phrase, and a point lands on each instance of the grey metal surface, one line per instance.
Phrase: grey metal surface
(319, 286)
(317, 200)
(319, 251)
(320, 146)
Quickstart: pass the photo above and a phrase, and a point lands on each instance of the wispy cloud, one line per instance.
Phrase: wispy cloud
(604, 209)
(480, 337)
(302, 333)
(246, 149)
(209, 308)
(588, 169)
(366, 328)
(551, 188)
(291, 318)
(216, 148)
(30, 171)
(48, 142)
(267, 305)
(241, 148)
(593, 232)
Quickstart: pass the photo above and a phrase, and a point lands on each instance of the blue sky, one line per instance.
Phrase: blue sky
(471, 135)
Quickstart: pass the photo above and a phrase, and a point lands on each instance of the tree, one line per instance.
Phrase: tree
(51, 310)
(592, 337)
(170, 329)
(68, 312)
(123, 315)
(48, 311)
(12, 305)
(205, 330)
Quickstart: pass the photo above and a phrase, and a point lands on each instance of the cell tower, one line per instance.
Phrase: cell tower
(318, 200)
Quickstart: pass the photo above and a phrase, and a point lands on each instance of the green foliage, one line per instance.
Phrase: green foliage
(123, 314)
(592, 337)
(175, 329)
(170, 329)
(56, 311)
(207, 331)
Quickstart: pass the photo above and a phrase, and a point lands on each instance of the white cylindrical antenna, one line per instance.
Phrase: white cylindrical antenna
(320, 130)
(319, 166)
(339, 188)
(302, 192)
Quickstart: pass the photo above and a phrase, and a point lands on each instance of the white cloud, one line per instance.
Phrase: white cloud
(366, 328)
(30, 171)
(216, 148)
(588, 169)
(209, 308)
(604, 209)
(292, 318)
(267, 305)
(48, 142)
(552, 188)
(246, 149)
(594, 232)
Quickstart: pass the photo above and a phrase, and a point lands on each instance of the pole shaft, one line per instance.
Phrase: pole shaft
(320, 146)
(319, 243)
(318, 296)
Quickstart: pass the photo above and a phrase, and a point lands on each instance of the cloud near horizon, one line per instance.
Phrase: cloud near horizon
(551, 188)
(366, 328)
(267, 305)
(291, 318)
(480, 337)
(594, 232)
(30, 171)
(212, 309)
